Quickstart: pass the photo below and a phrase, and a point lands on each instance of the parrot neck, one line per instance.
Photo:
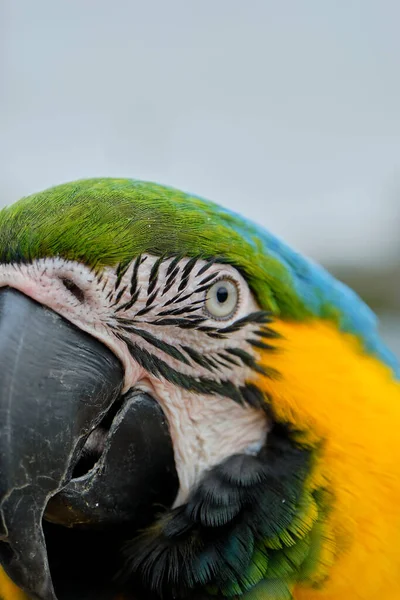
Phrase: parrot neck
(346, 405)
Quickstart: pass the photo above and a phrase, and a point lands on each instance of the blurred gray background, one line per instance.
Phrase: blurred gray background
(286, 111)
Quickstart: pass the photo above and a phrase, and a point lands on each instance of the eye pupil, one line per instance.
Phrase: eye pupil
(222, 294)
(222, 299)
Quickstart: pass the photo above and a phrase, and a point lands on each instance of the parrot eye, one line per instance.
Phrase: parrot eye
(222, 299)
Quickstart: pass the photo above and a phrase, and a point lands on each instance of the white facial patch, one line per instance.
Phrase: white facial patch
(152, 313)
(205, 430)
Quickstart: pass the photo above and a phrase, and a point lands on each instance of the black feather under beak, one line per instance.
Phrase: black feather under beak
(60, 391)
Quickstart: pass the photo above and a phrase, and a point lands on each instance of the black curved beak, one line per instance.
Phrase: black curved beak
(58, 385)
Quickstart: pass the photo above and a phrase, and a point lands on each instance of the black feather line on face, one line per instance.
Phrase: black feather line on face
(178, 312)
(174, 313)
(119, 296)
(120, 272)
(205, 267)
(153, 278)
(225, 360)
(176, 298)
(180, 322)
(134, 278)
(144, 311)
(200, 359)
(130, 304)
(260, 317)
(188, 268)
(246, 358)
(268, 333)
(209, 279)
(261, 345)
(229, 357)
(159, 344)
(184, 271)
(171, 267)
(170, 280)
(210, 540)
(150, 300)
(201, 385)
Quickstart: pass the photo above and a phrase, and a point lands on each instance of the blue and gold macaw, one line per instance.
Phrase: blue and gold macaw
(189, 408)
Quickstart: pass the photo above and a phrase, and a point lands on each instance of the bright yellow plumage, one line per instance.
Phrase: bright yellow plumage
(348, 404)
(8, 589)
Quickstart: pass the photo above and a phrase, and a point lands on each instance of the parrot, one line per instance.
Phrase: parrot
(189, 409)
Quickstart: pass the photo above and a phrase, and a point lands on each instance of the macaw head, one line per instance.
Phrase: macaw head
(181, 394)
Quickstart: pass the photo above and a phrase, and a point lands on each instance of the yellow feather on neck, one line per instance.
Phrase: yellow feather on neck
(8, 589)
(348, 404)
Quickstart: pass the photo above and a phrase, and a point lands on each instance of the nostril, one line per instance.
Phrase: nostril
(74, 289)
(91, 452)
(96, 441)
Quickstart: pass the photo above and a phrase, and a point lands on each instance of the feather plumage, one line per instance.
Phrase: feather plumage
(301, 518)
